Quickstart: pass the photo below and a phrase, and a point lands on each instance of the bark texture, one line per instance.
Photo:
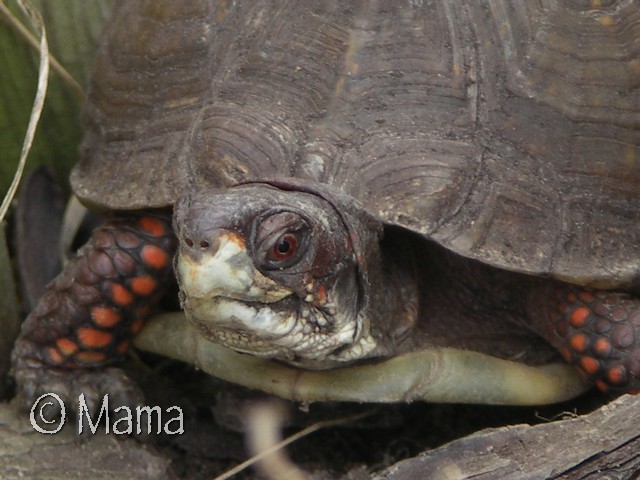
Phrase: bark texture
(603, 444)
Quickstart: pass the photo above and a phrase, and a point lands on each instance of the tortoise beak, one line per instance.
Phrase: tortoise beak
(220, 266)
(227, 299)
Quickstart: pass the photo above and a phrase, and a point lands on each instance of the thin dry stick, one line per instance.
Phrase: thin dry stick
(38, 102)
(296, 436)
(22, 31)
(264, 424)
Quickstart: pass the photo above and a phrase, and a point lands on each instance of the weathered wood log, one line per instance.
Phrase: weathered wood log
(603, 444)
(26, 454)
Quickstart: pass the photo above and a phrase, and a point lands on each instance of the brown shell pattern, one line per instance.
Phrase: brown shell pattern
(508, 131)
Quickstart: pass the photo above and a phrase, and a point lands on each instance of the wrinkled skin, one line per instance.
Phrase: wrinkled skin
(283, 277)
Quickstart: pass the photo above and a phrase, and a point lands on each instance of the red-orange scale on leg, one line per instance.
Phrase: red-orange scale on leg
(120, 295)
(590, 365)
(602, 347)
(586, 296)
(143, 285)
(602, 386)
(154, 257)
(617, 375)
(94, 338)
(66, 347)
(105, 317)
(579, 342)
(579, 317)
(55, 357)
(152, 226)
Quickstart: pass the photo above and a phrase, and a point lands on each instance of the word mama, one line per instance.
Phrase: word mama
(141, 420)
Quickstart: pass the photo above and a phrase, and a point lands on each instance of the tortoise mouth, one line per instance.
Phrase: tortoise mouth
(258, 319)
(276, 329)
(250, 327)
(289, 329)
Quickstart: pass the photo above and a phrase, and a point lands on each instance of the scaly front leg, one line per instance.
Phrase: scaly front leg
(90, 311)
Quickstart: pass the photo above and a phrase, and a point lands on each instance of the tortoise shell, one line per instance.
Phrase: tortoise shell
(508, 132)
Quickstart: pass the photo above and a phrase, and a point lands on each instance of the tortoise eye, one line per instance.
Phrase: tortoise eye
(285, 247)
(279, 240)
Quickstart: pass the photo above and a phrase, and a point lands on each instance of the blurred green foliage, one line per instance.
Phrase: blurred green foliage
(73, 31)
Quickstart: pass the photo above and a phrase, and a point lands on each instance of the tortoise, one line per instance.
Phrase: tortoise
(350, 183)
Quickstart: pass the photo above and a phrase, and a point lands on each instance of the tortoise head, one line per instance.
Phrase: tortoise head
(279, 271)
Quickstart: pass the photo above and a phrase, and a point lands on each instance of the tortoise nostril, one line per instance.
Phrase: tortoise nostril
(203, 244)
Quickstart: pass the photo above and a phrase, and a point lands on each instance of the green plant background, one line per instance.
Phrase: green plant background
(73, 30)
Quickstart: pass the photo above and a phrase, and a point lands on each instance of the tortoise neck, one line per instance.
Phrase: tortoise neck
(393, 306)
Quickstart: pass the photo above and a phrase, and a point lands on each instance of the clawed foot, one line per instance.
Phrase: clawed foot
(84, 398)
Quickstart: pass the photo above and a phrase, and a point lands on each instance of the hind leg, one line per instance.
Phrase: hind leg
(597, 331)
